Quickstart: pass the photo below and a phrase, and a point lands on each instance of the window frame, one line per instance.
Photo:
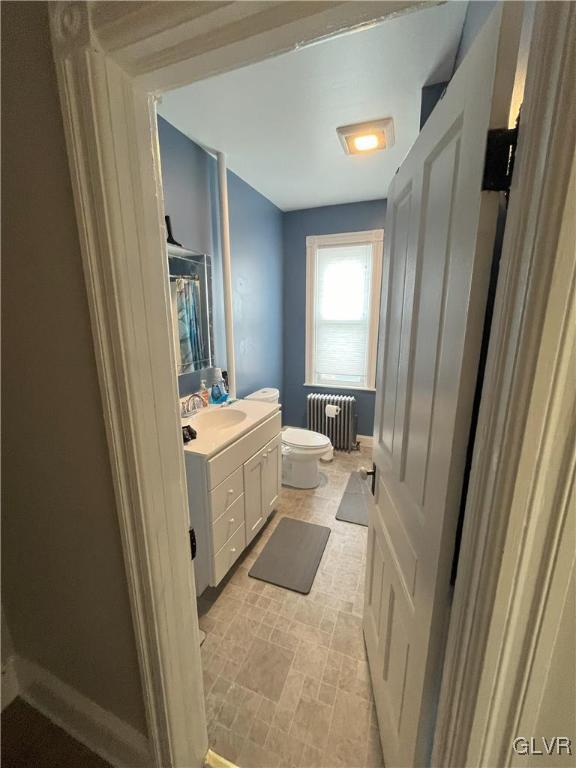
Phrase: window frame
(375, 238)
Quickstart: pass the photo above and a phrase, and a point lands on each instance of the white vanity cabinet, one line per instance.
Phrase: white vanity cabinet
(262, 475)
(231, 494)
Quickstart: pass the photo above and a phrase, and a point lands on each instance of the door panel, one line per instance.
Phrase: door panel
(253, 494)
(272, 474)
(439, 237)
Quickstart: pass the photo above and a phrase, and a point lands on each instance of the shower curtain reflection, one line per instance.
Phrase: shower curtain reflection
(191, 342)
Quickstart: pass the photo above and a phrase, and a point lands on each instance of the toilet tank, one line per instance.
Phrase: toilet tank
(266, 395)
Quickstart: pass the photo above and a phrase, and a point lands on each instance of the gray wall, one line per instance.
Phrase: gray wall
(189, 177)
(327, 220)
(64, 589)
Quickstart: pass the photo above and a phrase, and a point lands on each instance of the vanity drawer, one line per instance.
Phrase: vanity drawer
(226, 494)
(240, 451)
(227, 556)
(227, 524)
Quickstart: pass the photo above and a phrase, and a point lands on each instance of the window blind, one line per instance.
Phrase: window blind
(342, 288)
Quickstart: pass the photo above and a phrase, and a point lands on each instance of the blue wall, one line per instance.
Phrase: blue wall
(189, 183)
(298, 225)
(189, 178)
(256, 244)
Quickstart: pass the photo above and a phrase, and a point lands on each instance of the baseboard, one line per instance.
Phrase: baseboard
(366, 441)
(105, 734)
(10, 686)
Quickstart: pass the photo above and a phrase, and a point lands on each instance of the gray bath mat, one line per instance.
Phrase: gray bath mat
(354, 505)
(292, 555)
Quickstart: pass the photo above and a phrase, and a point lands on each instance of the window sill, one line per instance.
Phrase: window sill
(340, 386)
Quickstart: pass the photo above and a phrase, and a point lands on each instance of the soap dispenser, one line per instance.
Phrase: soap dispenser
(204, 393)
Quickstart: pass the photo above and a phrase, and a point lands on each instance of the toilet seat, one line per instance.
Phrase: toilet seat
(305, 440)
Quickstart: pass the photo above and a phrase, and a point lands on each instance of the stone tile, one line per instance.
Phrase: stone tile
(331, 676)
(242, 722)
(310, 659)
(327, 694)
(285, 746)
(292, 691)
(311, 757)
(311, 723)
(347, 637)
(311, 687)
(226, 743)
(285, 639)
(348, 734)
(253, 755)
(309, 613)
(227, 714)
(266, 668)
(311, 706)
(266, 710)
(259, 731)
(283, 718)
(264, 631)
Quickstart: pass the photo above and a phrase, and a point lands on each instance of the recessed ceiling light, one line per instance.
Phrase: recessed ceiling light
(362, 138)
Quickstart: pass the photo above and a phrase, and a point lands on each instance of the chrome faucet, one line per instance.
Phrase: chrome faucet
(189, 408)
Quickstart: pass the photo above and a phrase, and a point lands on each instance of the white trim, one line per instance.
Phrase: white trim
(226, 271)
(546, 140)
(339, 386)
(111, 134)
(375, 238)
(10, 687)
(102, 732)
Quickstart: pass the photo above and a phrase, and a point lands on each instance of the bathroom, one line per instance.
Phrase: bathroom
(246, 161)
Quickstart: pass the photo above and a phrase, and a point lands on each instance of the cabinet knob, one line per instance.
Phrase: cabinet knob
(233, 549)
(265, 455)
(231, 519)
(230, 490)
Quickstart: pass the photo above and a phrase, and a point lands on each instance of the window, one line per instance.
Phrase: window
(343, 298)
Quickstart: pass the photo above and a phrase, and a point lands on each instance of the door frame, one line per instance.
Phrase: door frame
(111, 61)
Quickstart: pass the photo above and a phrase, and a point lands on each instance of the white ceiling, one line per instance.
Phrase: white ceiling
(276, 120)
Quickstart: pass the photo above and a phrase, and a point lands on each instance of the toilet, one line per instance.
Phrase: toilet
(301, 449)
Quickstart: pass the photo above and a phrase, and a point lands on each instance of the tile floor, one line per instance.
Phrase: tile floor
(286, 678)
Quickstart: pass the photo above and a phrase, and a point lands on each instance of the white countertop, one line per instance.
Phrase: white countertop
(212, 440)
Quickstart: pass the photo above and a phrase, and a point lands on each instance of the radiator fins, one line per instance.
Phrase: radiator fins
(341, 429)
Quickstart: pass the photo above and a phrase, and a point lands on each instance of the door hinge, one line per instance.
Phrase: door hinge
(499, 162)
(192, 543)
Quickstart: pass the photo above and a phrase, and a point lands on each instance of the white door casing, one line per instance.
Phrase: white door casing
(440, 235)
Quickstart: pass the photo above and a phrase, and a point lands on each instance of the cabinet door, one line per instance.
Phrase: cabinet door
(254, 483)
(272, 474)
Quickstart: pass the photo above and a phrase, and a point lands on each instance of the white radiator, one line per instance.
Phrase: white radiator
(342, 428)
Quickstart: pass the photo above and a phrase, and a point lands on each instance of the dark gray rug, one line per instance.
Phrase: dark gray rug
(292, 555)
(354, 505)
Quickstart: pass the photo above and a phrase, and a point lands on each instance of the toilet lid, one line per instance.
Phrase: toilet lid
(304, 438)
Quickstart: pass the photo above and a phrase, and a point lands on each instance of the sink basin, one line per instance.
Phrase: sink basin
(218, 419)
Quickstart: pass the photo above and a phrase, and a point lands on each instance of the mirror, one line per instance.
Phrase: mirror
(192, 309)
(195, 322)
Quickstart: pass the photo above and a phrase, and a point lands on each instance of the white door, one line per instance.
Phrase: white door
(272, 474)
(439, 237)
